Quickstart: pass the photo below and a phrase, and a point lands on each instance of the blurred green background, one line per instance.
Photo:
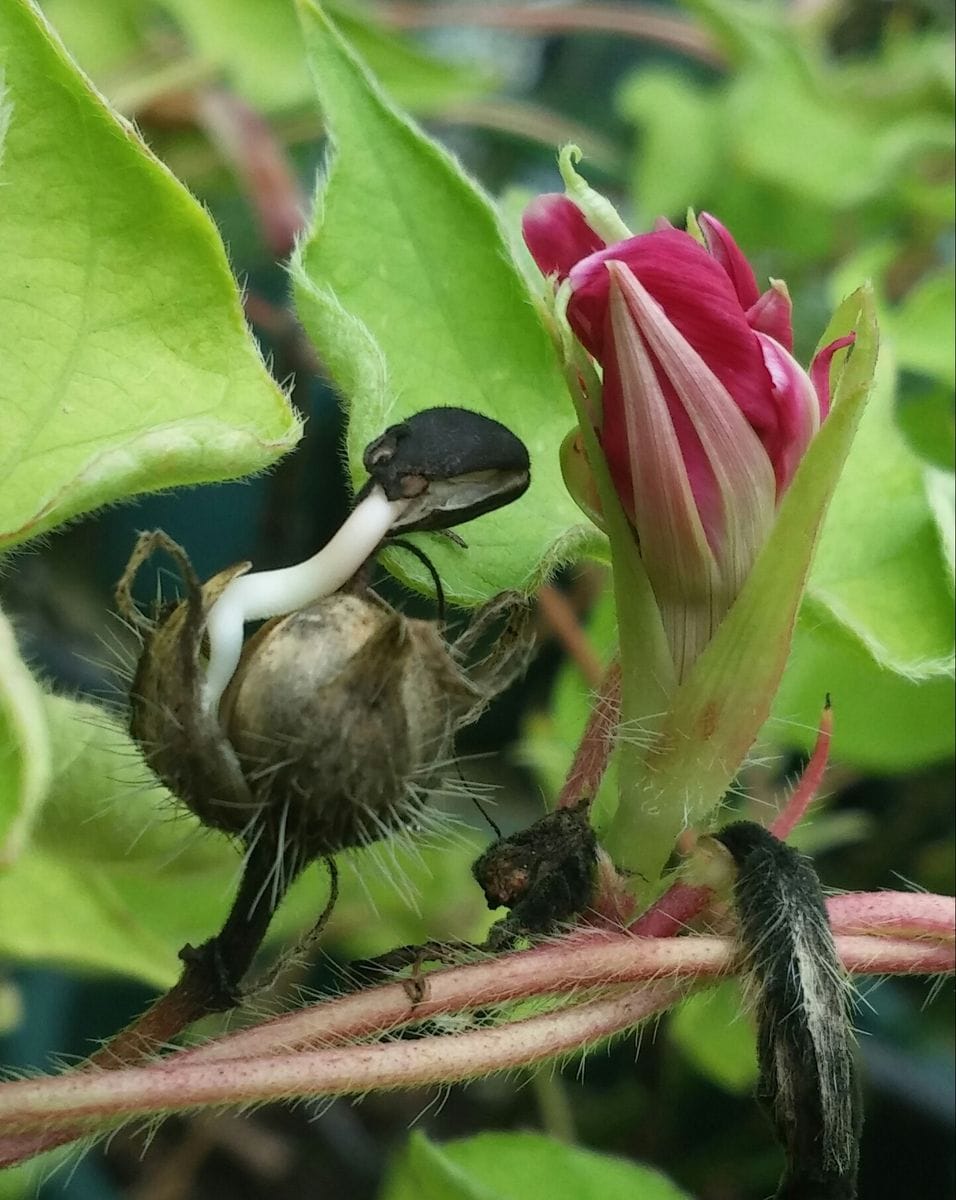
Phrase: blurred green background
(822, 134)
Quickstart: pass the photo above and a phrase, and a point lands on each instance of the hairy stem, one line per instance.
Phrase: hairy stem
(194, 1079)
(597, 743)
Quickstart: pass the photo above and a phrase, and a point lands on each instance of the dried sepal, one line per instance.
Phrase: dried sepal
(180, 737)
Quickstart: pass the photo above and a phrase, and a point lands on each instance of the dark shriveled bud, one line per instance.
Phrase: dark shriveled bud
(792, 973)
(545, 874)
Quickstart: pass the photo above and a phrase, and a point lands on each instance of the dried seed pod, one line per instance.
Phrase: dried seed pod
(337, 712)
(333, 722)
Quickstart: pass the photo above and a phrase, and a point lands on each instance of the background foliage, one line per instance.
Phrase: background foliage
(822, 135)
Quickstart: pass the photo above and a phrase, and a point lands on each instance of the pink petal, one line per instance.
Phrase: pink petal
(773, 314)
(646, 457)
(702, 486)
(737, 461)
(820, 370)
(557, 234)
(798, 409)
(726, 251)
(699, 299)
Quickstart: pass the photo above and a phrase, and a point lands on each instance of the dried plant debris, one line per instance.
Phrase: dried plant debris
(544, 874)
(798, 989)
(331, 730)
(326, 729)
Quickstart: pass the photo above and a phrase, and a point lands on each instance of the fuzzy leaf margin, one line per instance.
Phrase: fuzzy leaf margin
(406, 285)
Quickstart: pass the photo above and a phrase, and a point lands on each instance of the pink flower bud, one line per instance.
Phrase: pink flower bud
(705, 414)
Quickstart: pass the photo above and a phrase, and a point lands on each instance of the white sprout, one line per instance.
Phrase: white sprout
(266, 594)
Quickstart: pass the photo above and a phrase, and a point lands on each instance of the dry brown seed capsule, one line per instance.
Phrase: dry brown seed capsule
(337, 716)
(334, 721)
(337, 711)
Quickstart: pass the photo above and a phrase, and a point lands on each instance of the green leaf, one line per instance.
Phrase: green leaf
(128, 366)
(922, 328)
(882, 721)
(54, 912)
(24, 748)
(926, 414)
(515, 1166)
(104, 806)
(879, 568)
(715, 1035)
(719, 709)
(406, 286)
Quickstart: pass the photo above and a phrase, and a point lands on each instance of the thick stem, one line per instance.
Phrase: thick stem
(212, 973)
(182, 1081)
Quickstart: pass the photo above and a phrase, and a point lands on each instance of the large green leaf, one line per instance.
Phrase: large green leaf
(127, 365)
(882, 721)
(880, 569)
(24, 748)
(922, 327)
(55, 912)
(406, 286)
(104, 806)
(515, 1166)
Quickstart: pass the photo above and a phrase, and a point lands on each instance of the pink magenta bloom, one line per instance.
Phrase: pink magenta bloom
(705, 414)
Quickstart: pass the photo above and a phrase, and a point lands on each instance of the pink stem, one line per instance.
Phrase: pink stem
(901, 914)
(672, 913)
(805, 792)
(246, 141)
(647, 22)
(180, 1082)
(597, 742)
(186, 1079)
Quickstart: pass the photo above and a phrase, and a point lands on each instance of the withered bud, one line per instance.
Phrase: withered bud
(545, 874)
